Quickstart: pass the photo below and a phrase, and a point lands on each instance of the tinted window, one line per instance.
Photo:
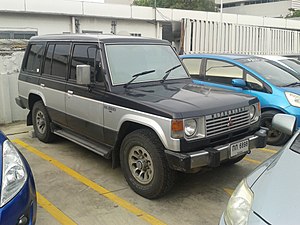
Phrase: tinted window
(56, 61)
(48, 59)
(193, 66)
(86, 55)
(296, 145)
(222, 72)
(34, 58)
(60, 60)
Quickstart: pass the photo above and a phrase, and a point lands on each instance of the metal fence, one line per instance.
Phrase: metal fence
(203, 36)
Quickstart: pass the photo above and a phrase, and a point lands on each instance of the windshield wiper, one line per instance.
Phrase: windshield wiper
(292, 84)
(138, 75)
(168, 72)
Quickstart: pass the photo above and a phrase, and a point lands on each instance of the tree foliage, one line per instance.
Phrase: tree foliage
(203, 5)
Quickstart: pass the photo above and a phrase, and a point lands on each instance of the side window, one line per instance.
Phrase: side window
(86, 54)
(254, 84)
(56, 61)
(222, 72)
(48, 59)
(60, 60)
(34, 58)
(193, 66)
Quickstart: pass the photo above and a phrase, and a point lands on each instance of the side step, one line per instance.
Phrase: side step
(84, 142)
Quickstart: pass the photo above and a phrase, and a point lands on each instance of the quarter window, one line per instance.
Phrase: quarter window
(222, 72)
(34, 58)
(254, 84)
(86, 55)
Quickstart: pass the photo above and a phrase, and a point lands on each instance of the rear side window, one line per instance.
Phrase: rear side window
(86, 54)
(56, 61)
(34, 58)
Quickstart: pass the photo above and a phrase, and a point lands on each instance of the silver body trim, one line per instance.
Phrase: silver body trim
(99, 113)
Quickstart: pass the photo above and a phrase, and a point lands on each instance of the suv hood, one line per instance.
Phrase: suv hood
(276, 192)
(185, 100)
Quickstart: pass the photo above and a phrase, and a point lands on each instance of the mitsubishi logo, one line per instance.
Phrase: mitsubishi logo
(230, 122)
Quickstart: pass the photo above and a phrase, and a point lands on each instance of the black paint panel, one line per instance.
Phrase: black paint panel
(28, 77)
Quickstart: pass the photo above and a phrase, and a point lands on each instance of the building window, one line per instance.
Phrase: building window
(17, 34)
(136, 34)
(92, 32)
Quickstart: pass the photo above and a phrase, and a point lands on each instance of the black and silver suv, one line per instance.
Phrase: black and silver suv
(130, 99)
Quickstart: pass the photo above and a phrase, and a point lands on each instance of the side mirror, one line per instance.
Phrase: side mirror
(284, 123)
(83, 74)
(238, 83)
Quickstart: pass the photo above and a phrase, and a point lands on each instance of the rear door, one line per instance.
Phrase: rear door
(84, 104)
(53, 79)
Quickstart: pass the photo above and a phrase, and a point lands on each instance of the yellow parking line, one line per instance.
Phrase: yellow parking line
(252, 160)
(228, 191)
(101, 190)
(268, 150)
(55, 212)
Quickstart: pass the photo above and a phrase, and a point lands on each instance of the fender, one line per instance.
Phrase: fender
(163, 129)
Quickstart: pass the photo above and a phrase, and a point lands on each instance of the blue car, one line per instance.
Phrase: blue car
(277, 88)
(18, 195)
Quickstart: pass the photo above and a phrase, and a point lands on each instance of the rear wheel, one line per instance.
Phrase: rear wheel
(275, 137)
(144, 164)
(41, 122)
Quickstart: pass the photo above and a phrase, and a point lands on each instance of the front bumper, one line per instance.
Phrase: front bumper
(212, 156)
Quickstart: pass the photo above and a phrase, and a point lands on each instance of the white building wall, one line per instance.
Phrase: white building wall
(272, 9)
(44, 24)
(10, 64)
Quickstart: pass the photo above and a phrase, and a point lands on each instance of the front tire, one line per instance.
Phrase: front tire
(144, 164)
(41, 122)
(275, 137)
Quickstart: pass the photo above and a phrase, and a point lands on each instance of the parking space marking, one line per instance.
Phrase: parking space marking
(55, 212)
(101, 190)
(228, 191)
(252, 160)
(268, 150)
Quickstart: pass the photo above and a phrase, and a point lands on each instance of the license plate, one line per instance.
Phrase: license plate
(239, 148)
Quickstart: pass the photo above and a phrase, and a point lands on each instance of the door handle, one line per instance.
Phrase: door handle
(70, 92)
(42, 85)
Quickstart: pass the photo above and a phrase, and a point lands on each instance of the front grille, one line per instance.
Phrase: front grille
(226, 121)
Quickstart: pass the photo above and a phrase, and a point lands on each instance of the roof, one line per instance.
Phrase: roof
(219, 56)
(224, 56)
(105, 38)
(273, 57)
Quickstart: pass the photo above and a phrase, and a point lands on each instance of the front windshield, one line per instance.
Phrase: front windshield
(274, 74)
(292, 63)
(128, 60)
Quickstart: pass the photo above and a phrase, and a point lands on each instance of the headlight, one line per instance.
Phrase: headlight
(190, 127)
(252, 110)
(14, 173)
(293, 99)
(239, 205)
